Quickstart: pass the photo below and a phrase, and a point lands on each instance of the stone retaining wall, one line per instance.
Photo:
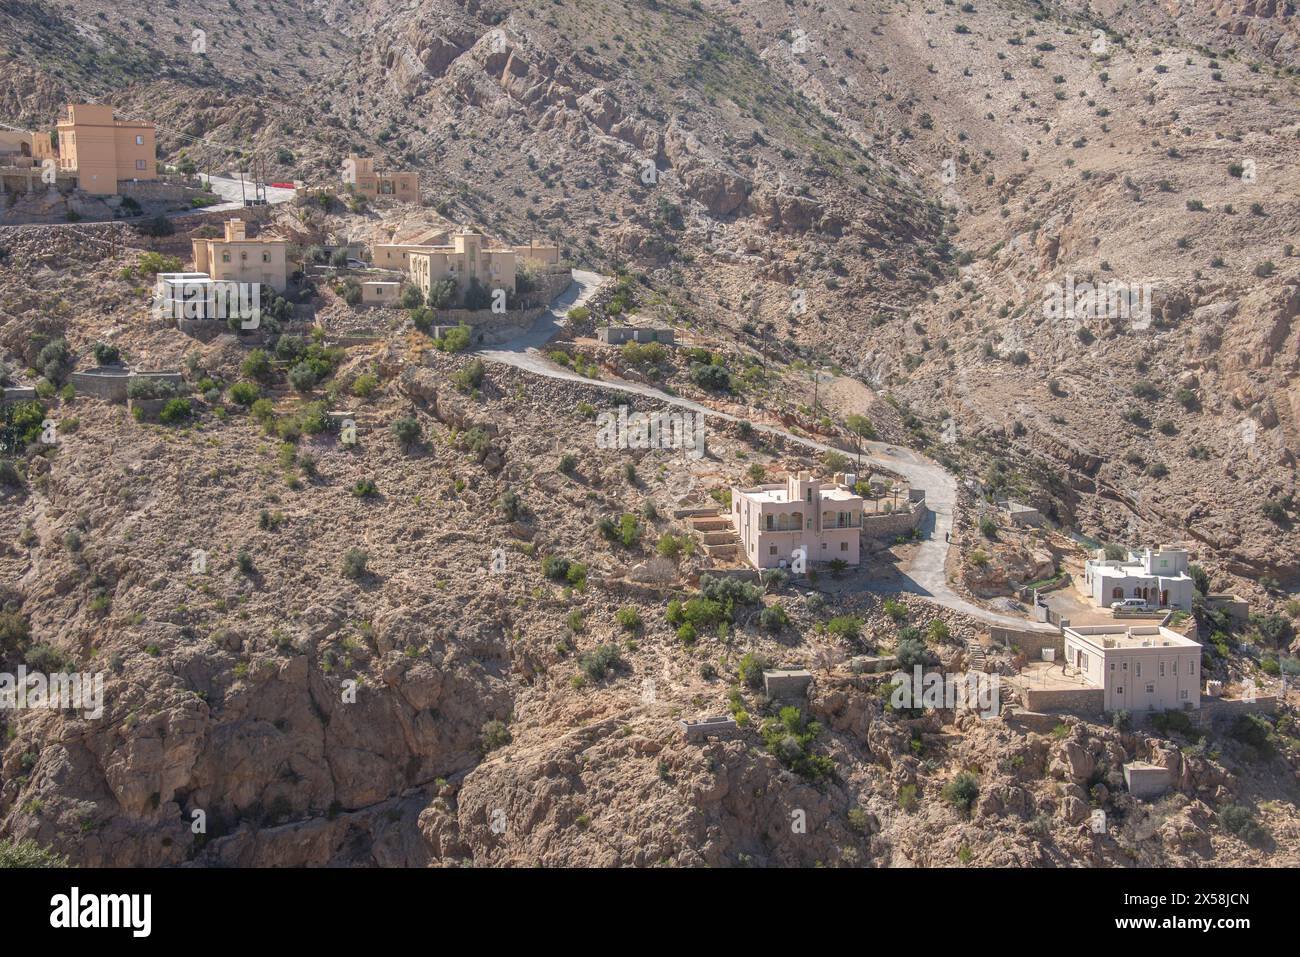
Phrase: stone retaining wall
(895, 523)
(1083, 702)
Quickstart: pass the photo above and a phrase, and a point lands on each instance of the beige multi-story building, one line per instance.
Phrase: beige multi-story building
(104, 150)
(1139, 667)
(463, 260)
(238, 258)
(802, 517)
(362, 175)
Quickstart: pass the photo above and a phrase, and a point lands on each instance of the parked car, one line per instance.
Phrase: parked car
(358, 264)
(1131, 604)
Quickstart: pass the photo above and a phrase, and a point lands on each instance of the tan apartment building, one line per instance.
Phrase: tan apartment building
(776, 522)
(373, 183)
(103, 150)
(1139, 667)
(464, 259)
(238, 258)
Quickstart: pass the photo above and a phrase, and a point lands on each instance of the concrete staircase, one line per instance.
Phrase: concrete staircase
(715, 534)
(976, 660)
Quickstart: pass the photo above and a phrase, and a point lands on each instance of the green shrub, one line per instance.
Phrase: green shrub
(845, 626)
(598, 661)
(773, 618)
(494, 735)
(176, 410)
(751, 668)
(244, 393)
(789, 737)
(28, 854)
(628, 617)
(407, 430)
(469, 377)
(354, 563)
(962, 790)
(910, 653)
(1239, 820)
(453, 340)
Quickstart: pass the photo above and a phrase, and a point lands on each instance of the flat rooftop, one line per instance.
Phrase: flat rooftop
(1130, 636)
(780, 494)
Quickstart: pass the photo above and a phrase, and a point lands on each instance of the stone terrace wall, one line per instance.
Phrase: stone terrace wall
(1031, 643)
(894, 523)
(1084, 702)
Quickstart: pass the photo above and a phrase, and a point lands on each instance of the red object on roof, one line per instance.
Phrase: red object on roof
(283, 185)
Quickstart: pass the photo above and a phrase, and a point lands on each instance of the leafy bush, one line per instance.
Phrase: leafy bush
(354, 563)
(788, 738)
(28, 854)
(711, 377)
(1238, 819)
(302, 377)
(106, 355)
(1252, 730)
(773, 618)
(407, 430)
(1171, 722)
(512, 505)
(453, 340)
(54, 361)
(845, 626)
(256, 365)
(598, 661)
(469, 377)
(244, 393)
(494, 735)
(910, 653)
(176, 410)
(962, 790)
(751, 668)
(628, 617)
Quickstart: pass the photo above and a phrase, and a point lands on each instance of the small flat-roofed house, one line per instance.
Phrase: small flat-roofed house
(1138, 667)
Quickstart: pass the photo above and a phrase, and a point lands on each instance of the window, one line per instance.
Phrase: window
(139, 164)
(1139, 669)
(1151, 688)
(1112, 666)
(1183, 694)
(243, 256)
(1126, 666)
(1162, 669)
(139, 141)
(266, 257)
(844, 546)
(823, 546)
(1191, 667)
(225, 257)
(771, 549)
(1119, 690)
(769, 523)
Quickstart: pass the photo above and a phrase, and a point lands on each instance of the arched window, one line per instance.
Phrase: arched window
(1117, 592)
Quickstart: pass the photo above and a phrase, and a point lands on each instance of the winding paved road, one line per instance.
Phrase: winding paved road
(923, 576)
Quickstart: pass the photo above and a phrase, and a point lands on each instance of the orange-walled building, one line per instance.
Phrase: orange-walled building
(103, 150)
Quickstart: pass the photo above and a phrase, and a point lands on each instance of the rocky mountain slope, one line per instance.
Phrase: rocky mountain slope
(880, 195)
